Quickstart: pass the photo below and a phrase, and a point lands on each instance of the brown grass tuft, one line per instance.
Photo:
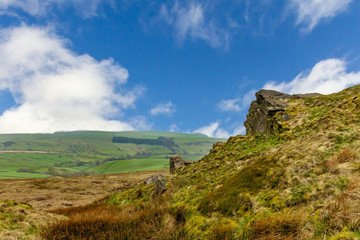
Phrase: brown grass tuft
(222, 231)
(281, 226)
(145, 221)
(343, 211)
(344, 156)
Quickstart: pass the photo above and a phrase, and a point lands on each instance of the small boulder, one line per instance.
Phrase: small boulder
(160, 187)
(177, 162)
(154, 178)
(160, 183)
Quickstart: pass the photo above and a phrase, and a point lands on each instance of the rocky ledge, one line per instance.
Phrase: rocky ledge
(260, 119)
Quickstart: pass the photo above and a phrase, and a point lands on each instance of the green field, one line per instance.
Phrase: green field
(92, 152)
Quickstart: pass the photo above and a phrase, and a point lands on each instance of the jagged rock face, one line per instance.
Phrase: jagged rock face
(268, 102)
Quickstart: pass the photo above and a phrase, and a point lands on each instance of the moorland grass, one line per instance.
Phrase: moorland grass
(145, 221)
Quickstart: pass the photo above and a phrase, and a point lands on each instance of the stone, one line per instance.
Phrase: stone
(260, 119)
(154, 178)
(160, 183)
(177, 162)
(160, 187)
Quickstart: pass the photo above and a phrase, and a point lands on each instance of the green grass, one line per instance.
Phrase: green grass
(120, 166)
(86, 151)
(11, 174)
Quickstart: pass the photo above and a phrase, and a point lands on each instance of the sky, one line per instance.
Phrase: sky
(183, 66)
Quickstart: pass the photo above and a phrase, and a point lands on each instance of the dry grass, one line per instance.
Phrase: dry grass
(344, 211)
(281, 226)
(55, 193)
(153, 220)
(345, 155)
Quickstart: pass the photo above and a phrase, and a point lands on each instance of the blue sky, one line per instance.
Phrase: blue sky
(184, 66)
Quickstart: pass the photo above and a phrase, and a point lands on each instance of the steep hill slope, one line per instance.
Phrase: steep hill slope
(299, 181)
(84, 152)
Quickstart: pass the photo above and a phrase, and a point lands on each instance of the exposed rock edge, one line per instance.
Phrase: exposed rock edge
(268, 102)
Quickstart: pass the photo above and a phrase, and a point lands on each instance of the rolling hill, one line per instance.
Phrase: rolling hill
(86, 152)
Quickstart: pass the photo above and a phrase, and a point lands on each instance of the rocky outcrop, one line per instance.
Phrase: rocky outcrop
(260, 119)
(177, 162)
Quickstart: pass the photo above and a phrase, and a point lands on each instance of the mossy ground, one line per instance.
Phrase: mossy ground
(21, 221)
(303, 183)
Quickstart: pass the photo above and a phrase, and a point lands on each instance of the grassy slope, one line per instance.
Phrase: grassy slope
(302, 184)
(91, 149)
(146, 164)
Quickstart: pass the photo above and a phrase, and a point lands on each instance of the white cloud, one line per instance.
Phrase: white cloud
(311, 12)
(239, 130)
(140, 123)
(327, 76)
(213, 130)
(174, 128)
(236, 104)
(189, 20)
(86, 8)
(57, 90)
(230, 105)
(163, 108)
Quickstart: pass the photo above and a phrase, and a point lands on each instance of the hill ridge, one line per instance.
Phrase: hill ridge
(301, 182)
(85, 152)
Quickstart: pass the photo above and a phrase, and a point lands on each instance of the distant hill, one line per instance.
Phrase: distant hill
(86, 152)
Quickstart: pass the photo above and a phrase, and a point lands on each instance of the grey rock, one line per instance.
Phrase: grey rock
(154, 178)
(177, 162)
(260, 119)
(160, 183)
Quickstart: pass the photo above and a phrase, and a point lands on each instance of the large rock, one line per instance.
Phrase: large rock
(260, 119)
(177, 162)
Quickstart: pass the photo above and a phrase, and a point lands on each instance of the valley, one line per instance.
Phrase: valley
(82, 153)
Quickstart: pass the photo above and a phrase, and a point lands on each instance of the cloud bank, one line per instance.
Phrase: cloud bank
(311, 12)
(57, 90)
(327, 76)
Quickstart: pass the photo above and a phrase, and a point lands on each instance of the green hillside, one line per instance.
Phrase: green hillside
(85, 152)
(303, 182)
